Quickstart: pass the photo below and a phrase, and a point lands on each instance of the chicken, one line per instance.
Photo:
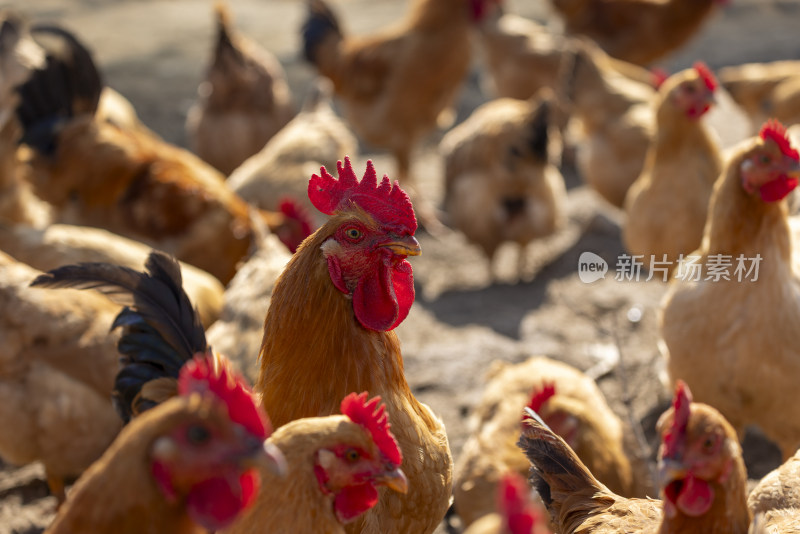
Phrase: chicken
(616, 122)
(666, 206)
(754, 86)
(393, 85)
(336, 465)
(331, 323)
(735, 301)
(523, 56)
(777, 499)
(328, 485)
(18, 55)
(186, 466)
(243, 102)
(331, 318)
(315, 138)
(638, 31)
(129, 182)
(701, 470)
(570, 402)
(61, 244)
(57, 367)
(502, 182)
(517, 514)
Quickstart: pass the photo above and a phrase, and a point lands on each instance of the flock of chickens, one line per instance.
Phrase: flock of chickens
(264, 253)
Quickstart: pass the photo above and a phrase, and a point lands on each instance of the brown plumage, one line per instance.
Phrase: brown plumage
(394, 84)
(703, 479)
(159, 194)
(502, 182)
(616, 122)
(57, 368)
(777, 499)
(666, 206)
(243, 101)
(745, 327)
(758, 88)
(639, 31)
(594, 431)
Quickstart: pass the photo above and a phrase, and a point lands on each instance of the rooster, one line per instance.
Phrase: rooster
(701, 469)
(98, 173)
(638, 31)
(186, 466)
(569, 401)
(243, 102)
(501, 177)
(394, 85)
(666, 206)
(330, 319)
(336, 462)
(735, 301)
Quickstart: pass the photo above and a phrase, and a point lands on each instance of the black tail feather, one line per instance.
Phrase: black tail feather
(68, 85)
(320, 22)
(161, 328)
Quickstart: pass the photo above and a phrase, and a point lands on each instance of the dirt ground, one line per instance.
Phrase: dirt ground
(155, 52)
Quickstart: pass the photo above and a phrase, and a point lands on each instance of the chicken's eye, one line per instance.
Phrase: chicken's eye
(197, 435)
(709, 443)
(352, 455)
(764, 159)
(353, 234)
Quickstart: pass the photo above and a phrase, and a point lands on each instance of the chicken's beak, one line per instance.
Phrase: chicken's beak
(394, 479)
(669, 470)
(404, 246)
(268, 456)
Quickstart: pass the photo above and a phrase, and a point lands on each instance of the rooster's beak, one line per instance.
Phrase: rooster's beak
(404, 246)
(394, 479)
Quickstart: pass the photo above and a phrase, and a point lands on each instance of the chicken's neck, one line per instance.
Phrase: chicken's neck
(740, 223)
(315, 352)
(434, 15)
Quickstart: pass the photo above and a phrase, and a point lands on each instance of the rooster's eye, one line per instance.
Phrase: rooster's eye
(197, 435)
(353, 234)
(764, 159)
(708, 444)
(351, 455)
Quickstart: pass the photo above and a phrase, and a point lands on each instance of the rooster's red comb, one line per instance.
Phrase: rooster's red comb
(373, 417)
(519, 515)
(386, 203)
(706, 75)
(204, 374)
(776, 131)
(680, 419)
(542, 395)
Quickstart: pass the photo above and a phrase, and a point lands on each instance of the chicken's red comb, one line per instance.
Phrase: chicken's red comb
(776, 131)
(540, 396)
(658, 76)
(680, 419)
(706, 75)
(293, 210)
(373, 417)
(386, 203)
(204, 375)
(519, 515)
